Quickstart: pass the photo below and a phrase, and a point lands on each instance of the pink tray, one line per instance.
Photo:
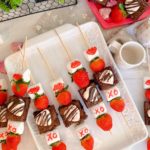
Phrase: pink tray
(109, 24)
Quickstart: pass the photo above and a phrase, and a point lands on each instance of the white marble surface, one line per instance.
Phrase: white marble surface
(16, 30)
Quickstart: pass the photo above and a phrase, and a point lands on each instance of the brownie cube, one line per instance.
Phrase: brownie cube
(72, 113)
(17, 108)
(147, 112)
(3, 116)
(106, 78)
(90, 95)
(46, 119)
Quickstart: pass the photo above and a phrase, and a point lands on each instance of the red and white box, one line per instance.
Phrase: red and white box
(112, 93)
(99, 109)
(3, 134)
(146, 83)
(52, 137)
(15, 127)
(82, 131)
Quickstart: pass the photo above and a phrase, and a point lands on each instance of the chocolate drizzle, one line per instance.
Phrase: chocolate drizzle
(91, 94)
(72, 113)
(16, 107)
(135, 8)
(43, 118)
(107, 77)
(132, 6)
(3, 114)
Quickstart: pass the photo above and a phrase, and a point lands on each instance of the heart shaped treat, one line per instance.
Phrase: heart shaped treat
(91, 51)
(75, 64)
(43, 118)
(16, 107)
(72, 113)
(107, 77)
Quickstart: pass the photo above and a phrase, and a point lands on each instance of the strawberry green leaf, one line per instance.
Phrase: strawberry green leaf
(85, 137)
(64, 89)
(2, 141)
(54, 144)
(122, 8)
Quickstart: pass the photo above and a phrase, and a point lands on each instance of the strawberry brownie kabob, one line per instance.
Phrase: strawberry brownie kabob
(3, 112)
(88, 91)
(17, 108)
(71, 111)
(104, 76)
(46, 117)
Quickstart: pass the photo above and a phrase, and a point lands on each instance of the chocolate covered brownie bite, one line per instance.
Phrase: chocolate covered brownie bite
(17, 108)
(90, 95)
(106, 78)
(47, 119)
(72, 113)
(147, 112)
(3, 116)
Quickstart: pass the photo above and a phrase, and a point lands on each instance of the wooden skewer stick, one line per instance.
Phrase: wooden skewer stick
(148, 58)
(50, 69)
(23, 53)
(64, 46)
(84, 36)
(110, 132)
(125, 120)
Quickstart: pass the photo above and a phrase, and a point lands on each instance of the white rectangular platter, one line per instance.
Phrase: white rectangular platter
(126, 131)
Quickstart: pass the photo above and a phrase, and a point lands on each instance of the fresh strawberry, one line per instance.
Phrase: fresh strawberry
(81, 78)
(59, 146)
(19, 89)
(4, 146)
(34, 90)
(3, 97)
(148, 144)
(88, 142)
(17, 77)
(117, 104)
(91, 51)
(97, 65)
(104, 122)
(64, 97)
(13, 141)
(41, 102)
(147, 94)
(75, 64)
(117, 14)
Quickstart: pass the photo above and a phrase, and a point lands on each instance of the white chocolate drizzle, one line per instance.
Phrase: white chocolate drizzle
(72, 113)
(43, 118)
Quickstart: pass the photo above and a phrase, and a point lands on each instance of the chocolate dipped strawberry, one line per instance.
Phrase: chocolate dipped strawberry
(78, 73)
(96, 63)
(62, 94)
(36, 93)
(3, 91)
(20, 83)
